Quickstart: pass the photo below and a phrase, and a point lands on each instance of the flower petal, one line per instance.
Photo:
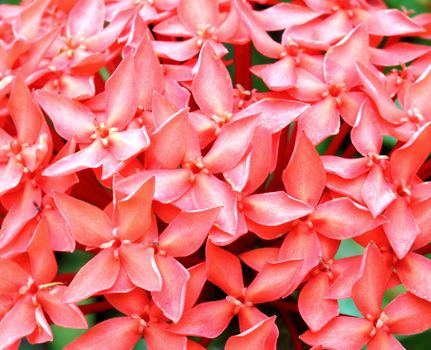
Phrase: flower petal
(408, 314)
(414, 272)
(18, 322)
(212, 79)
(255, 338)
(401, 229)
(374, 275)
(276, 280)
(120, 333)
(171, 298)
(224, 270)
(341, 59)
(187, 232)
(98, 275)
(133, 214)
(342, 218)
(86, 19)
(304, 177)
(274, 208)
(141, 266)
(314, 308)
(71, 119)
(195, 321)
(341, 333)
(88, 224)
(121, 94)
(129, 143)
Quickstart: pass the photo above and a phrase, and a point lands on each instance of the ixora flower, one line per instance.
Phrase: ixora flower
(201, 174)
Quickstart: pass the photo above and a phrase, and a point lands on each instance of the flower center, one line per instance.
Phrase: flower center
(415, 116)
(195, 166)
(205, 32)
(103, 132)
(378, 322)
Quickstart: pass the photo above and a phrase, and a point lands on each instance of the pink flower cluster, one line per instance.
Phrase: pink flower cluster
(122, 135)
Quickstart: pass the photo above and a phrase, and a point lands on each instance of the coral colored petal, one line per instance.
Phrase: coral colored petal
(88, 224)
(366, 135)
(274, 208)
(170, 184)
(276, 280)
(171, 298)
(341, 333)
(41, 256)
(196, 14)
(401, 229)
(341, 59)
(62, 111)
(18, 322)
(141, 266)
(384, 341)
(187, 232)
(149, 71)
(284, 15)
(97, 275)
(344, 167)
(314, 308)
(406, 160)
(126, 144)
(195, 321)
(304, 177)
(257, 258)
(172, 26)
(212, 79)
(207, 191)
(374, 275)
(274, 114)
(377, 92)
(417, 94)
(12, 278)
(301, 243)
(120, 333)
(231, 145)
(91, 157)
(102, 40)
(86, 19)
(10, 175)
(414, 272)
(23, 109)
(121, 94)
(62, 314)
(408, 314)
(391, 22)
(157, 337)
(224, 270)
(198, 277)
(20, 213)
(280, 75)
(133, 302)
(376, 192)
(321, 120)
(397, 53)
(255, 338)
(167, 150)
(320, 34)
(133, 214)
(177, 50)
(261, 40)
(342, 218)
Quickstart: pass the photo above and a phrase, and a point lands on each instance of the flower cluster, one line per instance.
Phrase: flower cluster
(201, 203)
